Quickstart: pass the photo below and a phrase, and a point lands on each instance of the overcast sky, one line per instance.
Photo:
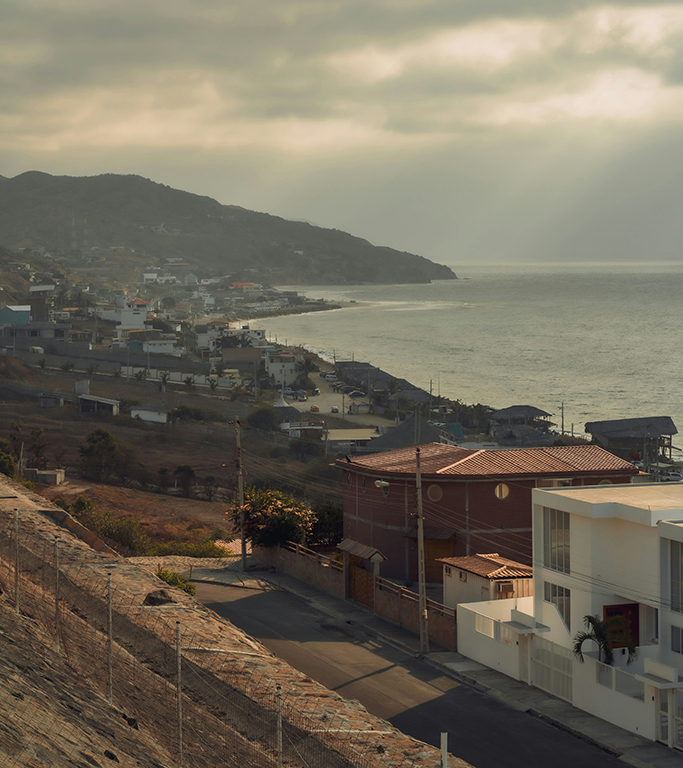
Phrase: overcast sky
(463, 130)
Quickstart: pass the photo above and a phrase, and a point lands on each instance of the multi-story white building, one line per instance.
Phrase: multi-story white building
(283, 367)
(605, 551)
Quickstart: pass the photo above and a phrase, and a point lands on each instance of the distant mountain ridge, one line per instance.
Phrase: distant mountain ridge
(61, 213)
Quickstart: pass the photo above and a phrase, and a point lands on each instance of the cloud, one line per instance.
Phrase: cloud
(321, 94)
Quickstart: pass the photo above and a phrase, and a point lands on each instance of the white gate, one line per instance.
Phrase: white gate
(524, 641)
(551, 668)
(678, 719)
(663, 716)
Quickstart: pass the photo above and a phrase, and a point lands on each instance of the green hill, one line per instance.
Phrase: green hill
(63, 213)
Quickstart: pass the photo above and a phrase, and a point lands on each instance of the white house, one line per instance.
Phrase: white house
(283, 367)
(612, 550)
(473, 578)
(153, 414)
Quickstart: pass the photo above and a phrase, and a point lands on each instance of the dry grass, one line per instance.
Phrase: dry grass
(163, 517)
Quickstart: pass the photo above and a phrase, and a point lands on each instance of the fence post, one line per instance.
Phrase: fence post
(16, 561)
(444, 750)
(278, 695)
(57, 595)
(179, 690)
(110, 640)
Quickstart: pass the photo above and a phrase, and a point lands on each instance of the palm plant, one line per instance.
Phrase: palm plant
(605, 633)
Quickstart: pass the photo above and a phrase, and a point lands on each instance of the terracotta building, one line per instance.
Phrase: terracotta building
(473, 500)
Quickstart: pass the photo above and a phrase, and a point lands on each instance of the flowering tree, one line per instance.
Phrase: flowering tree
(272, 517)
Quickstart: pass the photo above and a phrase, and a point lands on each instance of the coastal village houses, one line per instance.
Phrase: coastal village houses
(613, 551)
(474, 501)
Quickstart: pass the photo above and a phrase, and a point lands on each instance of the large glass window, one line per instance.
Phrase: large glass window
(560, 597)
(556, 539)
(676, 576)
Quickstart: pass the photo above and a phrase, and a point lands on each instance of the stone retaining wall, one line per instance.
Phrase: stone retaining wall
(229, 679)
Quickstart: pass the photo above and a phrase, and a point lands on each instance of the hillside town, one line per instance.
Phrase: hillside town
(513, 556)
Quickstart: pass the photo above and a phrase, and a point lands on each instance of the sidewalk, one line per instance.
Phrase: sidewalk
(631, 748)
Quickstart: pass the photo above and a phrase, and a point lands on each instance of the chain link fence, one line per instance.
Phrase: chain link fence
(208, 695)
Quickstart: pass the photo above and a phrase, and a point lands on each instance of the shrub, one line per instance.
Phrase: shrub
(176, 580)
(123, 530)
(7, 465)
(265, 419)
(189, 549)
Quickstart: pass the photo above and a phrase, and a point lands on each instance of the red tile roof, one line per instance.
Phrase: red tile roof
(450, 461)
(491, 566)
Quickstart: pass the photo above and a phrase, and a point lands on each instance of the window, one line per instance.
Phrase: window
(556, 539)
(362, 485)
(463, 576)
(349, 479)
(448, 570)
(560, 597)
(434, 493)
(502, 491)
(676, 576)
(676, 639)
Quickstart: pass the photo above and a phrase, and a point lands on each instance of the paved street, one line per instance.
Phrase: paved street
(410, 693)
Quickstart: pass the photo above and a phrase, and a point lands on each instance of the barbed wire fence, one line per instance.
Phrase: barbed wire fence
(206, 701)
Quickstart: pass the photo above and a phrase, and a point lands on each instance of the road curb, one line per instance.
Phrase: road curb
(578, 734)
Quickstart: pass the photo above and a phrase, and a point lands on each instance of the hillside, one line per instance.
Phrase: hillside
(157, 222)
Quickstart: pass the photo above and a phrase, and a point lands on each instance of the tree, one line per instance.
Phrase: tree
(15, 438)
(141, 375)
(265, 419)
(164, 480)
(605, 633)
(164, 376)
(37, 446)
(92, 369)
(116, 373)
(328, 527)
(189, 383)
(212, 383)
(102, 456)
(42, 363)
(273, 517)
(185, 475)
(209, 482)
(67, 366)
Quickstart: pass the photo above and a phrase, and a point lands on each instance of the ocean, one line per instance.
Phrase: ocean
(605, 340)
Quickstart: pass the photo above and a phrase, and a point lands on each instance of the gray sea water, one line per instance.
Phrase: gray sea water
(606, 340)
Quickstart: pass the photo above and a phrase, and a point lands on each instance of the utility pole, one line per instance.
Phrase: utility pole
(422, 587)
(562, 409)
(240, 491)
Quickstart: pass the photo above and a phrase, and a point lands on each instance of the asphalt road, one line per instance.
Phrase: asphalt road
(410, 694)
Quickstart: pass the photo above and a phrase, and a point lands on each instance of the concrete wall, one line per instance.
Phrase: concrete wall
(481, 636)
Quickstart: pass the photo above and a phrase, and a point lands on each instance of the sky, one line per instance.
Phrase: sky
(467, 131)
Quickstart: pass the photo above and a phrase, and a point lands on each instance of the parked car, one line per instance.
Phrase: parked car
(287, 391)
(315, 408)
(334, 409)
(357, 393)
(316, 391)
(301, 398)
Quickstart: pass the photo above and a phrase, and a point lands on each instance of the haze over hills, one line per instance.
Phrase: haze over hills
(64, 213)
